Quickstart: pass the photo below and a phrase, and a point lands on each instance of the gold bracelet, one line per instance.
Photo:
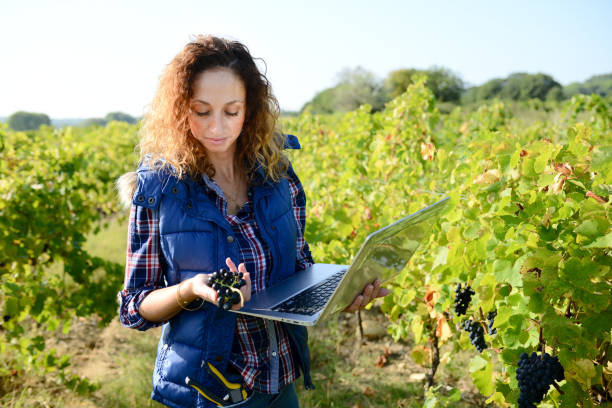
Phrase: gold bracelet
(183, 303)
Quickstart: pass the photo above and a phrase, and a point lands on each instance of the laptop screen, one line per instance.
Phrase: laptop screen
(385, 253)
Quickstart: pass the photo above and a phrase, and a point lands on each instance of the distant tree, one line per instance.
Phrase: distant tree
(323, 102)
(399, 80)
(490, 89)
(517, 86)
(445, 85)
(27, 120)
(522, 86)
(470, 95)
(355, 87)
(555, 94)
(94, 122)
(358, 87)
(573, 89)
(120, 117)
(598, 84)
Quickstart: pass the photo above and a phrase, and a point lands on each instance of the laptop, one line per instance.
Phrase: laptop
(312, 295)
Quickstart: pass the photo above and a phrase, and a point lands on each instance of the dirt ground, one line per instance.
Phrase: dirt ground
(341, 362)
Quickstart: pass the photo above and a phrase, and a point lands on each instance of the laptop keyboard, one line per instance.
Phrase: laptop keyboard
(312, 299)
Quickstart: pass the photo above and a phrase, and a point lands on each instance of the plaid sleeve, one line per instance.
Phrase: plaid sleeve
(143, 271)
(304, 257)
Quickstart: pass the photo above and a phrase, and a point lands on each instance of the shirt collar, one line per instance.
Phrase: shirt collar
(211, 185)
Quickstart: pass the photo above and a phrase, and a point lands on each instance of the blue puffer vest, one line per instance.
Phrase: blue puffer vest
(196, 238)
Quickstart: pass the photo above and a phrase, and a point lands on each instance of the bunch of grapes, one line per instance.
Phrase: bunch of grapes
(535, 375)
(476, 334)
(227, 284)
(462, 299)
(490, 320)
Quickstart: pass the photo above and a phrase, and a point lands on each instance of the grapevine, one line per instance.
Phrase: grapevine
(529, 226)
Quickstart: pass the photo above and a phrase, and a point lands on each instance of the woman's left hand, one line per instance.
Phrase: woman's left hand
(246, 289)
(370, 291)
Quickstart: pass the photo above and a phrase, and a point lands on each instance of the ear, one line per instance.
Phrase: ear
(126, 186)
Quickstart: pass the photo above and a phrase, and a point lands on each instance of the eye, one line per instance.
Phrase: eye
(232, 113)
(202, 113)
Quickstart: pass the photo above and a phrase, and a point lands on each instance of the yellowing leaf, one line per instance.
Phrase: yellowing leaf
(564, 168)
(497, 398)
(427, 151)
(420, 355)
(488, 177)
(557, 186)
(417, 328)
(581, 370)
(443, 331)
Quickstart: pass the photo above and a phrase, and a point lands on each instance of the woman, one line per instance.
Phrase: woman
(214, 189)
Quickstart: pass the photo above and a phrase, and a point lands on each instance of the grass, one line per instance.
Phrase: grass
(346, 371)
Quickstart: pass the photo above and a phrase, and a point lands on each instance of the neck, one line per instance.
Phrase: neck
(225, 166)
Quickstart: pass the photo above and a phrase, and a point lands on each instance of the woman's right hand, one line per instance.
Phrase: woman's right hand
(200, 287)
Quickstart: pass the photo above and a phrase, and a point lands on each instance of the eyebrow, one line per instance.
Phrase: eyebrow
(228, 103)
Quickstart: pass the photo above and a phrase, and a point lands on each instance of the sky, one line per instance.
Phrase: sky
(81, 59)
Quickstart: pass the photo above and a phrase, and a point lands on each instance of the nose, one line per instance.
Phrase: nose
(216, 124)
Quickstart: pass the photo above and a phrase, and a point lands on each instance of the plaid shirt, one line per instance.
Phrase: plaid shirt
(261, 350)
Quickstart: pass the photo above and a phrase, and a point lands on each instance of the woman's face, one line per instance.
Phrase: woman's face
(217, 111)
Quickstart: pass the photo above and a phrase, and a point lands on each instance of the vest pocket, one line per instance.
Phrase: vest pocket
(192, 250)
(162, 352)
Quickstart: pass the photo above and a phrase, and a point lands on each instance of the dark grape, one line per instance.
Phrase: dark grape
(222, 282)
(535, 374)
(476, 334)
(490, 320)
(463, 296)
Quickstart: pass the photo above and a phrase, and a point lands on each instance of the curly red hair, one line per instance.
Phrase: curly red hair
(166, 133)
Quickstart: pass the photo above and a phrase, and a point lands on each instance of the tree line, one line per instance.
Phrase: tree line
(358, 86)
(21, 120)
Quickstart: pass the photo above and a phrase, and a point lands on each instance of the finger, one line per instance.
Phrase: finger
(230, 264)
(355, 305)
(367, 294)
(365, 302)
(212, 294)
(382, 292)
(245, 275)
(376, 284)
